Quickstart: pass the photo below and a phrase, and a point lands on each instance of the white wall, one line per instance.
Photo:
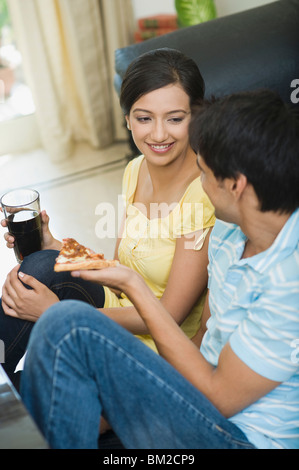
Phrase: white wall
(224, 7)
(228, 7)
(152, 7)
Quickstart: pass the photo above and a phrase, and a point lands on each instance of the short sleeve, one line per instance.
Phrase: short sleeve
(196, 213)
(130, 178)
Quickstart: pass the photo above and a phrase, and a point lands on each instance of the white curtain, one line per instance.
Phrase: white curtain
(67, 57)
(119, 21)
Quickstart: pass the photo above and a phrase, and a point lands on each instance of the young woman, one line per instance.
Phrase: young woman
(165, 235)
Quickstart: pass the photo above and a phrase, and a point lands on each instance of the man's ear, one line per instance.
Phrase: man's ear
(237, 185)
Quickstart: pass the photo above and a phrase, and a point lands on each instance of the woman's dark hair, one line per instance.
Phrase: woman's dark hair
(255, 134)
(156, 69)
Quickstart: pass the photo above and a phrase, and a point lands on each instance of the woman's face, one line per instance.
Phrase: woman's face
(159, 123)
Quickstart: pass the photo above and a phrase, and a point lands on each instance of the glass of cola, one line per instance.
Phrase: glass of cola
(21, 208)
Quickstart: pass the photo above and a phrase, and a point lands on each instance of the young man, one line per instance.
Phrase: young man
(238, 386)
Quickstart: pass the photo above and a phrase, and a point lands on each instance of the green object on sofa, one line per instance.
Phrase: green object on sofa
(191, 12)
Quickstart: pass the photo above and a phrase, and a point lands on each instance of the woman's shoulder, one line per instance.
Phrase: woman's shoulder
(133, 166)
(195, 195)
(194, 192)
(130, 177)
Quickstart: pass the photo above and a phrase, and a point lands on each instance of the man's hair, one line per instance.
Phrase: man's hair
(255, 134)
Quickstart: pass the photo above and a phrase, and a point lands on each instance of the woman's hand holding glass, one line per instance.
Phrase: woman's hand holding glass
(49, 242)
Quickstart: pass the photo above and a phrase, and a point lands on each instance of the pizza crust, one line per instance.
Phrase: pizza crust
(97, 264)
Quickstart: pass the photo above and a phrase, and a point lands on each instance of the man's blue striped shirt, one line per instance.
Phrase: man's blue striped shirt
(254, 304)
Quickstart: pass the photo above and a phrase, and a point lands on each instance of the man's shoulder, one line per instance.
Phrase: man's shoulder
(224, 232)
(223, 228)
(224, 240)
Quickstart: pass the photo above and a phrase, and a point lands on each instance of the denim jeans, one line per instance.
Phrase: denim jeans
(15, 332)
(80, 364)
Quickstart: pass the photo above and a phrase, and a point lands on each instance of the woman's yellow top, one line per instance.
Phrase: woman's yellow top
(148, 245)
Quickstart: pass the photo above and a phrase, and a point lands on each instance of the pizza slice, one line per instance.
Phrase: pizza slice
(73, 257)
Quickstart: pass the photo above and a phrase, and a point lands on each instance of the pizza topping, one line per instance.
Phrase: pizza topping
(72, 252)
(75, 256)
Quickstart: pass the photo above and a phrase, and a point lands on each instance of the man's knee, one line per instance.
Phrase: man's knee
(61, 318)
(72, 313)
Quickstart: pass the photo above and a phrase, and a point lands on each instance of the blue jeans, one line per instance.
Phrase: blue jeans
(15, 332)
(80, 364)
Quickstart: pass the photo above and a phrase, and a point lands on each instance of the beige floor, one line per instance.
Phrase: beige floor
(80, 195)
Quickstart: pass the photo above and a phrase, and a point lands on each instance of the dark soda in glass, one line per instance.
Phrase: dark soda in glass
(26, 227)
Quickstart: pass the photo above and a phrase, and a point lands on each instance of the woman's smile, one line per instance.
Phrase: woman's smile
(161, 148)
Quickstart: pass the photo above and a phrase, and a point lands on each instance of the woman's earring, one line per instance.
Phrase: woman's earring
(128, 126)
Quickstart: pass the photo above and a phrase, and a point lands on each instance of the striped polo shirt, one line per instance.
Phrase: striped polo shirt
(254, 304)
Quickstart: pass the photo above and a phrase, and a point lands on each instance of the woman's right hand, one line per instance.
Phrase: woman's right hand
(49, 242)
(7, 236)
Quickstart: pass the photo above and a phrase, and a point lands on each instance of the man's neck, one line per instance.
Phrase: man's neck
(261, 229)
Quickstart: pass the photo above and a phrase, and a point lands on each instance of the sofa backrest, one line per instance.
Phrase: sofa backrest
(257, 48)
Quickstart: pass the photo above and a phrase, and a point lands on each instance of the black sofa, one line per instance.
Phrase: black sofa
(257, 48)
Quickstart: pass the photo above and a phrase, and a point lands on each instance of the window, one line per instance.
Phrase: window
(15, 96)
